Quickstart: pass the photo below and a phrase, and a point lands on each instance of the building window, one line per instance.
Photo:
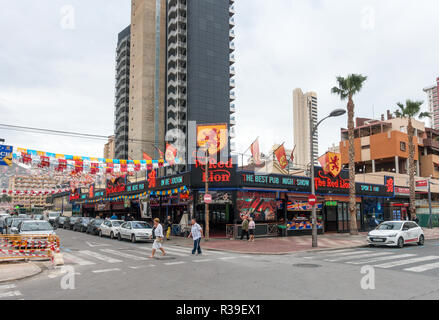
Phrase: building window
(365, 147)
(402, 146)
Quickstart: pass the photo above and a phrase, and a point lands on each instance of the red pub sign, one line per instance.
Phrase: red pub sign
(219, 172)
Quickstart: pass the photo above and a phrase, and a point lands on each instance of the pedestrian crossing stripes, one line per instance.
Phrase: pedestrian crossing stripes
(124, 254)
(99, 256)
(9, 294)
(404, 262)
(383, 260)
(391, 257)
(68, 257)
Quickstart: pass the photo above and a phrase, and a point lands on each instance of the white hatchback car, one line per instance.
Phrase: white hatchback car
(396, 233)
(135, 231)
(110, 228)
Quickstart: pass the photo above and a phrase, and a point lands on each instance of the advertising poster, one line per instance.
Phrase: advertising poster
(261, 206)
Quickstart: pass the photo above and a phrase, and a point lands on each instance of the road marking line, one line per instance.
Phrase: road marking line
(7, 286)
(77, 260)
(404, 262)
(15, 293)
(227, 258)
(99, 256)
(202, 260)
(181, 250)
(106, 270)
(424, 267)
(357, 255)
(124, 254)
(174, 263)
(170, 251)
(398, 256)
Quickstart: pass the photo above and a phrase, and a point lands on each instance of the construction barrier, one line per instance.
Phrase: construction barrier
(14, 247)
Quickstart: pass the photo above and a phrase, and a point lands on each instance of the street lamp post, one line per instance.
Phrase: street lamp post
(313, 128)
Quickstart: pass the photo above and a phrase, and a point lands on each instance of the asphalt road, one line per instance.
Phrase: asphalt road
(102, 268)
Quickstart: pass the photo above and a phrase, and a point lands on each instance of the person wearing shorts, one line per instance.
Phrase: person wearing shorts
(251, 229)
(158, 232)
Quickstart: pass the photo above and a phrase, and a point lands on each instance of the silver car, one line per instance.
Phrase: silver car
(35, 227)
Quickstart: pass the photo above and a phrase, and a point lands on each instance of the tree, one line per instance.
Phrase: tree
(347, 88)
(5, 198)
(408, 111)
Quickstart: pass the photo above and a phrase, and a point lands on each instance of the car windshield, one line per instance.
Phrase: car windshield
(141, 225)
(16, 222)
(116, 223)
(96, 222)
(390, 226)
(53, 215)
(85, 220)
(36, 226)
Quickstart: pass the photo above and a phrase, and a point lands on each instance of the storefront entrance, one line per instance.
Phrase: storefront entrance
(336, 216)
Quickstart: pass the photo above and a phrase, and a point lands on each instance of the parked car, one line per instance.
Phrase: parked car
(51, 216)
(81, 224)
(396, 233)
(93, 226)
(70, 222)
(13, 227)
(110, 228)
(3, 222)
(38, 217)
(59, 221)
(34, 227)
(135, 231)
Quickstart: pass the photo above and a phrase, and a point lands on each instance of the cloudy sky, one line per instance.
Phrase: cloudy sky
(58, 73)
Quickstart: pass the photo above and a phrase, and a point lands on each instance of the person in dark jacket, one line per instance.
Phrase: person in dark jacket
(168, 227)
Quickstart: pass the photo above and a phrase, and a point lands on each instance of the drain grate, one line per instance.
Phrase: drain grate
(306, 265)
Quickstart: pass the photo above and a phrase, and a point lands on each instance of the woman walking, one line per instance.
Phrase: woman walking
(251, 229)
(158, 233)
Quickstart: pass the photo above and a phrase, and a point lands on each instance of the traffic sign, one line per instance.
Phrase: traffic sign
(312, 199)
(207, 198)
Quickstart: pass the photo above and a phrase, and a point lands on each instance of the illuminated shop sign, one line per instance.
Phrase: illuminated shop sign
(277, 181)
(116, 185)
(219, 173)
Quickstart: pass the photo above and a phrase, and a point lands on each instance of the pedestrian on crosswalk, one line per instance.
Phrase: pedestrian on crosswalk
(158, 232)
(197, 234)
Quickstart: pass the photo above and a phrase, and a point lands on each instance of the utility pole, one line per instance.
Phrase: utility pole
(429, 205)
(313, 189)
(206, 187)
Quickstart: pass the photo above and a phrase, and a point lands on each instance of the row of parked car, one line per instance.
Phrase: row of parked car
(115, 229)
(25, 224)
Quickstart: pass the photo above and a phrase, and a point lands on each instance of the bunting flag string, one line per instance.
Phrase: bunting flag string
(77, 164)
(33, 192)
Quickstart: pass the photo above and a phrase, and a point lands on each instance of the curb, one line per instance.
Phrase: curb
(37, 272)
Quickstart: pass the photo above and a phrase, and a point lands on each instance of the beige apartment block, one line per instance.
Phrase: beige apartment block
(148, 77)
(109, 148)
(302, 131)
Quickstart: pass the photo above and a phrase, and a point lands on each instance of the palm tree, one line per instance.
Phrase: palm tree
(347, 88)
(409, 111)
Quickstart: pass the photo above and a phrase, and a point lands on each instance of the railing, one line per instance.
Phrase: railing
(262, 230)
(25, 247)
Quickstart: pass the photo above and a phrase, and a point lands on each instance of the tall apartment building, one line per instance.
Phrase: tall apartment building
(121, 110)
(181, 69)
(433, 104)
(29, 183)
(302, 113)
(109, 148)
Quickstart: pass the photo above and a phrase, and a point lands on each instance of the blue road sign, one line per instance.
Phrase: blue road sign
(5, 155)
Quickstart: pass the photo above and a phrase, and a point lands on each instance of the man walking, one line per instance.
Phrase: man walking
(158, 232)
(244, 228)
(197, 234)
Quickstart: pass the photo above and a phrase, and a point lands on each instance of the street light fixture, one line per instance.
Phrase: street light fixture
(313, 128)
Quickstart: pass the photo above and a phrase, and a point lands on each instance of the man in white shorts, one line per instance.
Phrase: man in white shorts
(158, 232)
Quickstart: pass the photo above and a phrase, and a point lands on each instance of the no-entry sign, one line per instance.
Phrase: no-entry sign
(312, 199)
(207, 198)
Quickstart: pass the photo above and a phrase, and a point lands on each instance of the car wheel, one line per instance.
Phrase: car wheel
(100, 233)
(400, 242)
(111, 235)
(133, 238)
(421, 240)
(119, 237)
(371, 245)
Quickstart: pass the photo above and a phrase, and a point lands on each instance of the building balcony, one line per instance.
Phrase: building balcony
(174, 83)
(231, 10)
(232, 35)
(232, 22)
(177, 109)
(231, 47)
(232, 59)
(232, 83)
(177, 7)
(177, 20)
(176, 70)
(232, 109)
(232, 121)
(232, 71)
(176, 57)
(175, 96)
(232, 96)
(176, 45)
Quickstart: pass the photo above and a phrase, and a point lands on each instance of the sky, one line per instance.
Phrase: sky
(57, 65)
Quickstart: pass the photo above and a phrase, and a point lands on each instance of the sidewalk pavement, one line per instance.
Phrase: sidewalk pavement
(17, 271)
(285, 245)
